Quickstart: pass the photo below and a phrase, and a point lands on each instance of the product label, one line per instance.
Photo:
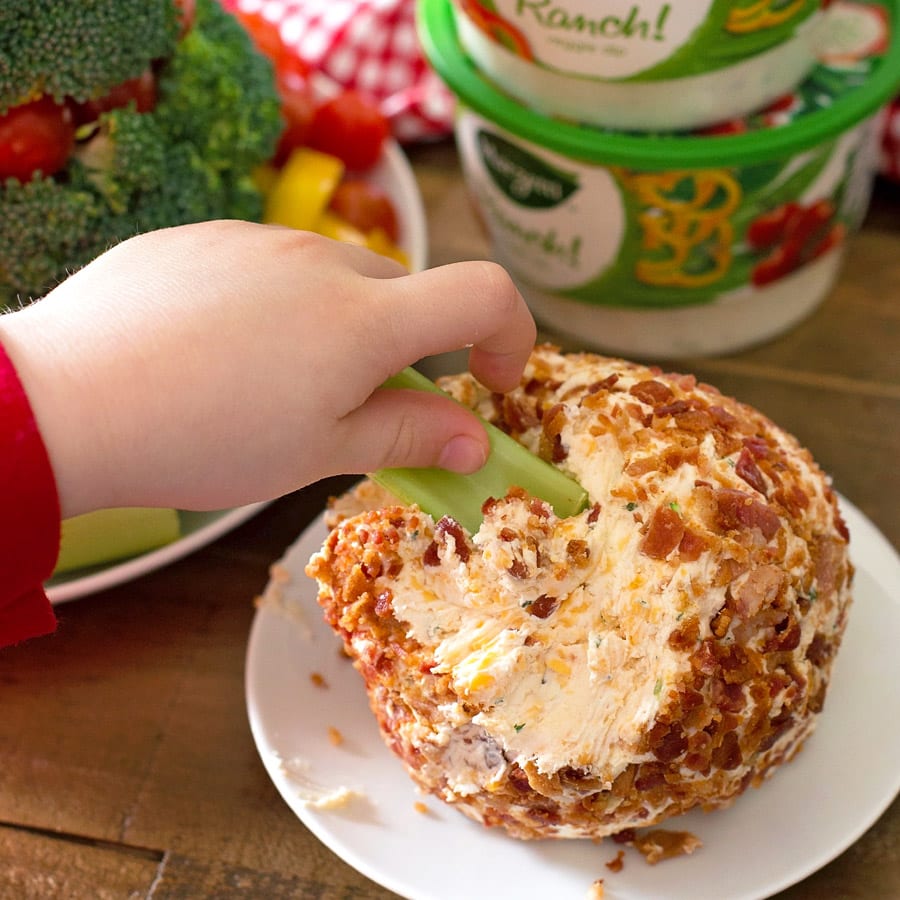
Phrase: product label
(645, 39)
(541, 209)
(610, 235)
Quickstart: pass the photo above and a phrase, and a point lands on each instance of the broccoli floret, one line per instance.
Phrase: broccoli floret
(42, 223)
(198, 94)
(190, 159)
(80, 49)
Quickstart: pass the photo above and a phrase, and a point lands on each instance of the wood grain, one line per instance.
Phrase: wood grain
(127, 768)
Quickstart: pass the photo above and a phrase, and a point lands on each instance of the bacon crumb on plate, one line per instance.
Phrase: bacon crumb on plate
(661, 843)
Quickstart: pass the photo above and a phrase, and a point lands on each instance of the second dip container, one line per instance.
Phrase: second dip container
(679, 244)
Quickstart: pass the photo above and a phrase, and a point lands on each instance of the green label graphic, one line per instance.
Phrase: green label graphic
(523, 178)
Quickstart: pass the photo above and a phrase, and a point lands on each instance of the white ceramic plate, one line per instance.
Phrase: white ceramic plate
(393, 175)
(804, 816)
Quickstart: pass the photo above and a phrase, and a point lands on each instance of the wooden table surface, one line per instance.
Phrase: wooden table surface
(127, 767)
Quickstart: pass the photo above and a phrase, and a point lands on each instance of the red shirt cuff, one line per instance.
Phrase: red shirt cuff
(29, 516)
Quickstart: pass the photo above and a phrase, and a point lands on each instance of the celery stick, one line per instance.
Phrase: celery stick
(111, 534)
(439, 492)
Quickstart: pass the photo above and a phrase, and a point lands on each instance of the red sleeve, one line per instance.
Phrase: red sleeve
(29, 516)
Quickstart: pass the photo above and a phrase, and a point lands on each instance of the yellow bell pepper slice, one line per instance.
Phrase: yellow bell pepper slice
(378, 241)
(303, 189)
(333, 226)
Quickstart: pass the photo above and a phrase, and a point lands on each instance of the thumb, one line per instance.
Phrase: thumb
(408, 428)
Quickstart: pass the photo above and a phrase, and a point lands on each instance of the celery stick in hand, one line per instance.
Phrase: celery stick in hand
(442, 493)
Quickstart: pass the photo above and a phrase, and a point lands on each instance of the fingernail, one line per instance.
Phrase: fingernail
(462, 454)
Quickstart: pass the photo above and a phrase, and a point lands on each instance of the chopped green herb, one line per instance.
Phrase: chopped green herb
(439, 492)
(519, 726)
(675, 507)
(813, 595)
(631, 507)
(658, 686)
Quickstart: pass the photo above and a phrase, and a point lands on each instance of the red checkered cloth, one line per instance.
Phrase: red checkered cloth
(370, 46)
(890, 142)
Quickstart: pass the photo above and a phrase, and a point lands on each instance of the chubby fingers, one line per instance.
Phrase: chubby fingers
(410, 428)
(467, 304)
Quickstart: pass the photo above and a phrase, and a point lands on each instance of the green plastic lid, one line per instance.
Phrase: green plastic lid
(837, 99)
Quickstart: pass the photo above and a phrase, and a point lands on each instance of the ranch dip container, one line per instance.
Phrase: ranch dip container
(678, 244)
(646, 65)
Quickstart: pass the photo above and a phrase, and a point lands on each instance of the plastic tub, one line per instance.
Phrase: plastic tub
(682, 244)
(646, 66)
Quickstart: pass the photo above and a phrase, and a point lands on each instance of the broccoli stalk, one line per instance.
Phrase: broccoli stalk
(217, 117)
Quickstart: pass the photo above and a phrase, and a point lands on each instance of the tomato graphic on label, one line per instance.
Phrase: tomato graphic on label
(793, 235)
(498, 29)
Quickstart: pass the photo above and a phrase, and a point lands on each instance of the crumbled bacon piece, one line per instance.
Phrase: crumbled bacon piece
(518, 569)
(544, 606)
(696, 421)
(662, 843)
(737, 510)
(723, 419)
(447, 525)
(691, 546)
(552, 424)
(651, 392)
(671, 409)
(383, 603)
(757, 445)
(747, 469)
(667, 742)
(762, 587)
(664, 533)
(578, 553)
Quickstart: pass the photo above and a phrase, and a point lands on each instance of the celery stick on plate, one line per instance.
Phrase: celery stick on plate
(110, 534)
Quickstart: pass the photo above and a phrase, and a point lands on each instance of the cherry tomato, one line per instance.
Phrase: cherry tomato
(351, 127)
(265, 34)
(37, 136)
(142, 90)
(291, 70)
(298, 108)
(365, 207)
(187, 12)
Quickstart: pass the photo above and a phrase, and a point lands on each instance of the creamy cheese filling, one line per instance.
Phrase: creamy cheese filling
(567, 662)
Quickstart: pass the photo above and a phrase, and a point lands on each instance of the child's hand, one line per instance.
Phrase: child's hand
(211, 365)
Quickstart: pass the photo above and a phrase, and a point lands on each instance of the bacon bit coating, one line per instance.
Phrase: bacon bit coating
(665, 649)
(335, 738)
(318, 679)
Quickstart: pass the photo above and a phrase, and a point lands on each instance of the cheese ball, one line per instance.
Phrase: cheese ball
(665, 649)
